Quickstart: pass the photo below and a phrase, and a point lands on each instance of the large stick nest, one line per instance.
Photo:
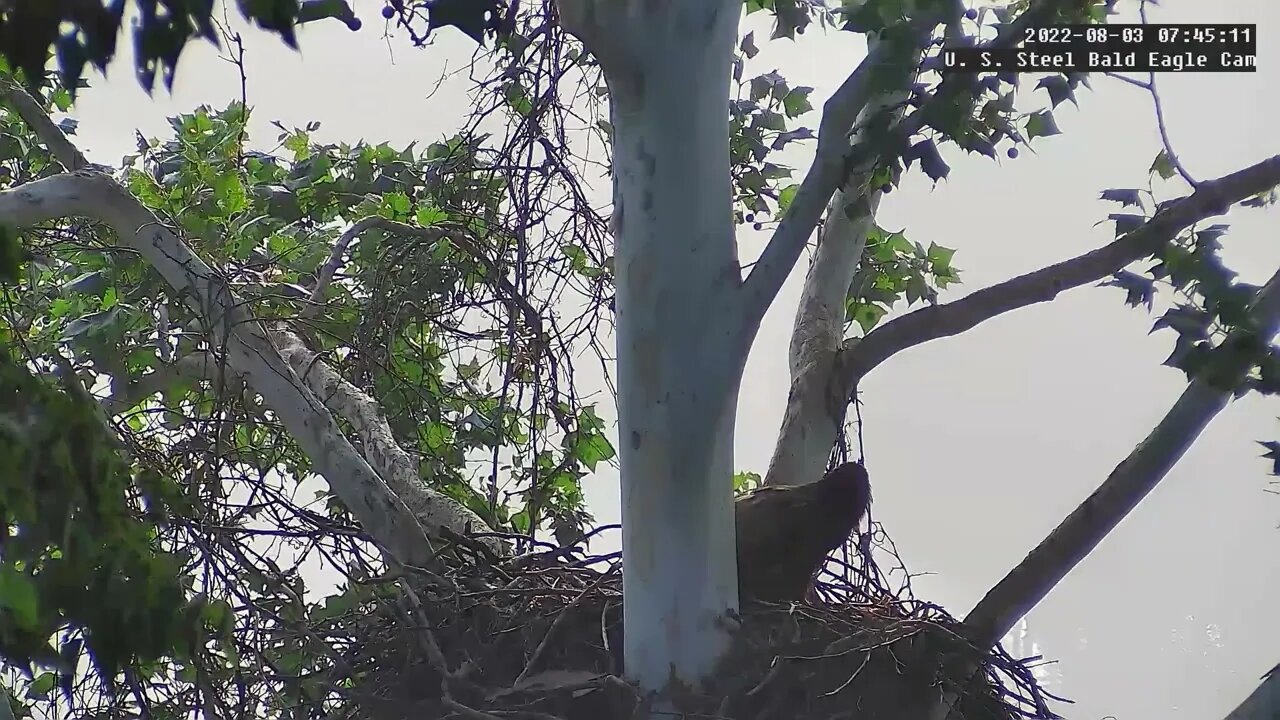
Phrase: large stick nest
(540, 637)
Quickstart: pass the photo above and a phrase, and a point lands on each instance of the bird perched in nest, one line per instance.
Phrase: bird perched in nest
(785, 533)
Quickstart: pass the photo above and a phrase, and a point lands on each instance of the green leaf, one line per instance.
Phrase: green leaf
(1059, 89)
(796, 102)
(1163, 166)
(520, 521)
(517, 98)
(775, 172)
(898, 243)
(18, 595)
(1126, 222)
(917, 288)
(939, 258)
(759, 88)
(592, 448)
(334, 606)
(1042, 124)
(430, 215)
(1126, 197)
(786, 196)
(395, 206)
(42, 685)
(10, 255)
(770, 120)
(868, 316)
(436, 435)
(746, 482)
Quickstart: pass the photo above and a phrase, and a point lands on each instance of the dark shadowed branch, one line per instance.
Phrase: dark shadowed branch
(1264, 702)
(1210, 198)
(1136, 476)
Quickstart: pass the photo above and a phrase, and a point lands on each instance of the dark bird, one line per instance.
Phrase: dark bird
(786, 533)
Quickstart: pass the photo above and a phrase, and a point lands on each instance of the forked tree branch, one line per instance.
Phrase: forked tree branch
(827, 171)
(1027, 584)
(1211, 198)
(248, 349)
(1131, 481)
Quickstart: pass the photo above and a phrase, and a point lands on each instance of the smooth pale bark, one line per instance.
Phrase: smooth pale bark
(685, 319)
(815, 404)
(816, 401)
(680, 333)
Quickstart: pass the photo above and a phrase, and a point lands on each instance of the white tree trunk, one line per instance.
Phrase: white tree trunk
(681, 339)
(685, 319)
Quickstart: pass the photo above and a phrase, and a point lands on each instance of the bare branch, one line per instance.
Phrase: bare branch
(42, 125)
(1160, 123)
(1211, 198)
(494, 274)
(324, 276)
(1131, 481)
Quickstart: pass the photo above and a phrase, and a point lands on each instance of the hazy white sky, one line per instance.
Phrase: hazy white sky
(979, 445)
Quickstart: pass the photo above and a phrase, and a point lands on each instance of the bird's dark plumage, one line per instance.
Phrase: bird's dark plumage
(785, 533)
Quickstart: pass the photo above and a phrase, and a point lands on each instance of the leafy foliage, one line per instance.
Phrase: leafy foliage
(80, 526)
(80, 33)
(86, 32)
(893, 268)
(441, 310)
(1208, 302)
(976, 114)
(416, 310)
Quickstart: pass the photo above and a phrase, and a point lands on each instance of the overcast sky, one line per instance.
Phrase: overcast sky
(978, 446)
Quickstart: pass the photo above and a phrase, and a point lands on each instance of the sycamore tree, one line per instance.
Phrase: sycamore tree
(381, 318)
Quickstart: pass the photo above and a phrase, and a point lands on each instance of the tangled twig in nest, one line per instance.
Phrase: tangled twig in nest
(539, 637)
